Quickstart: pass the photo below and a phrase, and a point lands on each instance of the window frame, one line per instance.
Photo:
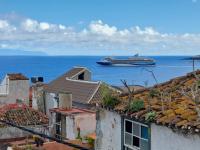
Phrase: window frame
(132, 134)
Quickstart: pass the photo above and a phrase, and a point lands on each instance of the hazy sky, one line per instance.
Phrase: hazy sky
(101, 27)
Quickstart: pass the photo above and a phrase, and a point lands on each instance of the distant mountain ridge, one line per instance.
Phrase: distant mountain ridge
(11, 52)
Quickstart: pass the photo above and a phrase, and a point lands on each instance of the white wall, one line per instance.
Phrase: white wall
(70, 129)
(17, 89)
(86, 123)
(50, 102)
(37, 97)
(108, 131)
(4, 86)
(163, 138)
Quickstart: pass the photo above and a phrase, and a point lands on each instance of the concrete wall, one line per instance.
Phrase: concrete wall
(38, 97)
(12, 132)
(86, 123)
(17, 89)
(108, 131)
(70, 129)
(50, 102)
(4, 86)
(163, 138)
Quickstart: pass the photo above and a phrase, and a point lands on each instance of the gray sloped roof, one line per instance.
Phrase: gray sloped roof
(82, 91)
(74, 71)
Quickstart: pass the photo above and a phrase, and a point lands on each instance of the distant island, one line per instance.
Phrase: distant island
(11, 52)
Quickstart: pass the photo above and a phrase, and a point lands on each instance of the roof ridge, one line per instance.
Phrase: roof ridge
(84, 81)
(166, 82)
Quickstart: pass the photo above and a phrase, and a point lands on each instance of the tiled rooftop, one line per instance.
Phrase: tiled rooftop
(17, 76)
(82, 91)
(21, 145)
(175, 109)
(20, 114)
(58, 146)
(73, 111)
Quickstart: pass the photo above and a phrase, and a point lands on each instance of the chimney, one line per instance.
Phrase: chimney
(65, 100)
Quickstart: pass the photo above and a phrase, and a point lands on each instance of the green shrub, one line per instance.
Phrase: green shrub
(110, 101)
(154, 93)
(136, 105)
(150, 116)
(90, 141)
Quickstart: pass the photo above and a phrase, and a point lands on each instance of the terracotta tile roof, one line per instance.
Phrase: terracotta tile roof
(21, 145)
(175, 110)
(58, 146)
(82, 91)
(72, 111)
(17, 76)
(20, 114)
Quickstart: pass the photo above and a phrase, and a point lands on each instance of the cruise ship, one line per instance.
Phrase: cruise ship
(136, 60)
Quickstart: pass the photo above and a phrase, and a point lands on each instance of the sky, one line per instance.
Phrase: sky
(101, 27)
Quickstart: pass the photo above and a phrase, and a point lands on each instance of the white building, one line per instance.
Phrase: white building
(76, 81)
(68, 122)
(175, 124)
(14, 87)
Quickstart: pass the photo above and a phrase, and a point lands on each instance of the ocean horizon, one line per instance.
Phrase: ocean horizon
(50, 67)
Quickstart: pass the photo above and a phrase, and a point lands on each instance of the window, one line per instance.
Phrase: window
(81, 76)
(136, 136)
(128, 126)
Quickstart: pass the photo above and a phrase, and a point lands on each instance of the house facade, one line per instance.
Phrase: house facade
(115, 132)
(68, 122)
(14, 87)
(161, 124)
(76, 81)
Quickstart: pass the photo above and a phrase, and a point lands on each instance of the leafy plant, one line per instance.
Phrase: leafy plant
(90, 141)
(150, 116)
(110, 101)
(136, 105)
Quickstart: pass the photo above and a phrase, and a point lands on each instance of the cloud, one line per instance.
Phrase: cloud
(96, 38)
(5, 26)
(97, 27)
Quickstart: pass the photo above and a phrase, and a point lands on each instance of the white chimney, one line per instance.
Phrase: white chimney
(65, 100)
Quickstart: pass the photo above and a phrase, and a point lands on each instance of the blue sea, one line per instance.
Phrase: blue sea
(50, 67)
